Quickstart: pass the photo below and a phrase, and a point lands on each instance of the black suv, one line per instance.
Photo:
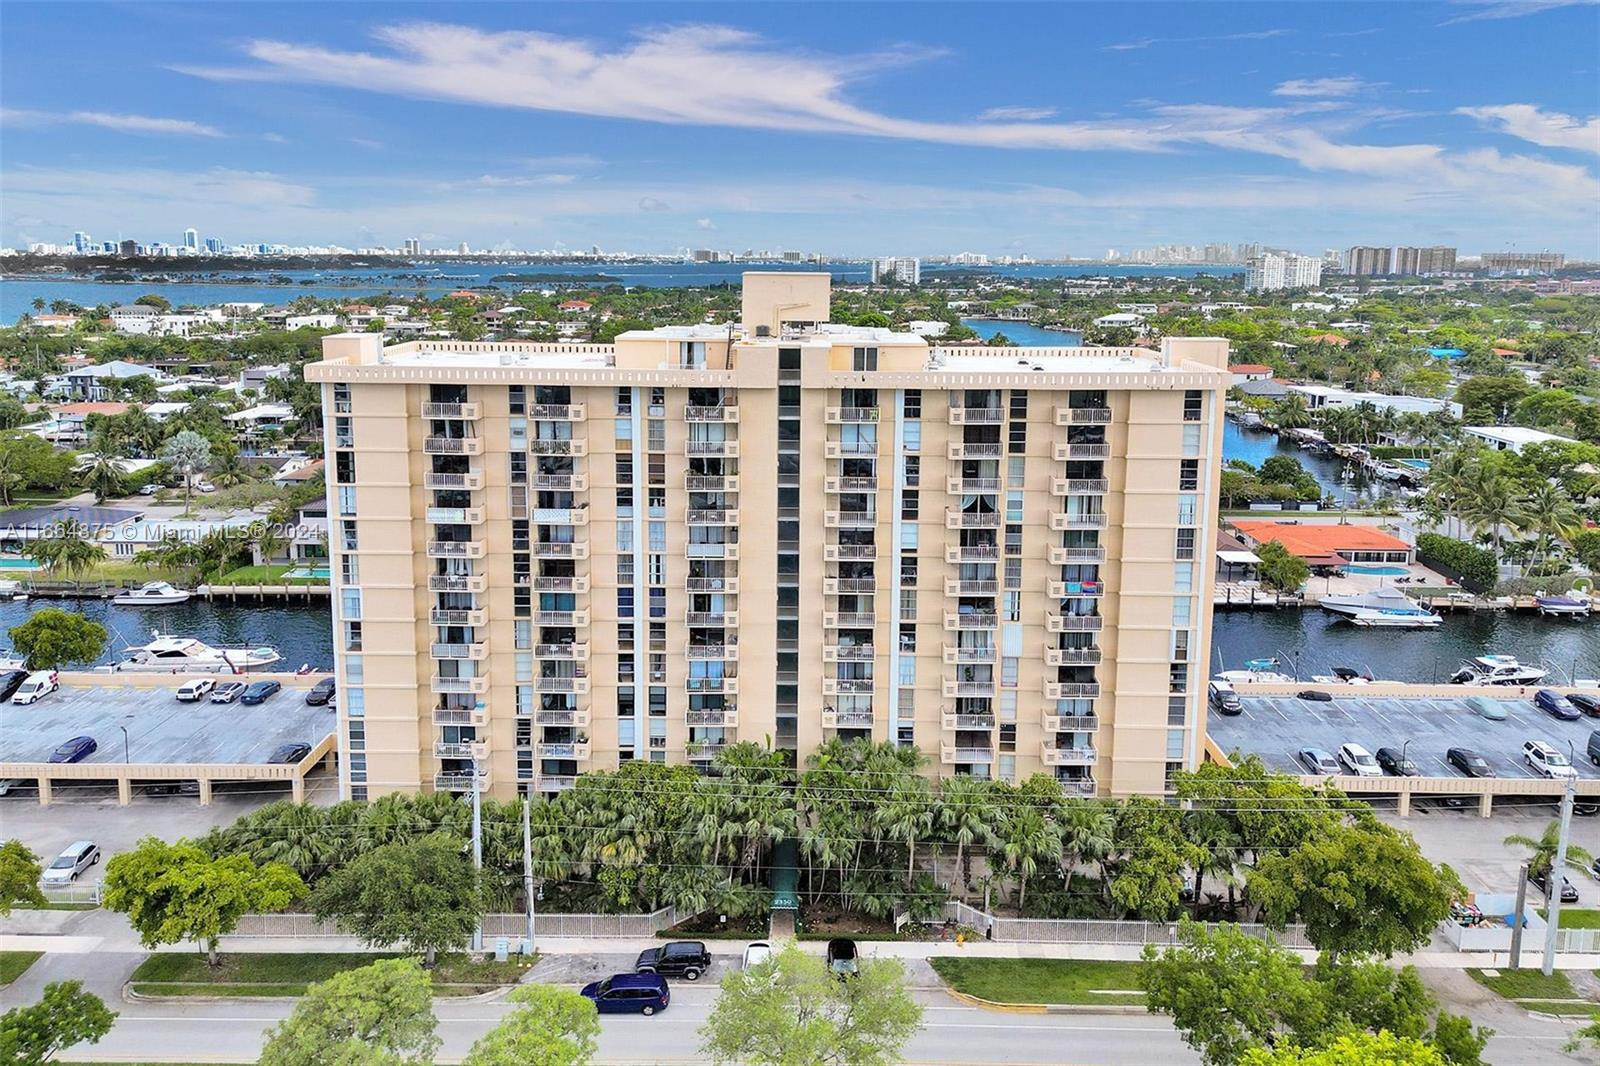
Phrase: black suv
(687, 959)
(320, 693)
(10, 681)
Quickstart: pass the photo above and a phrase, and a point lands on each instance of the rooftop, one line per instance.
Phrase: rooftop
(1516, 436)
(1316, 540)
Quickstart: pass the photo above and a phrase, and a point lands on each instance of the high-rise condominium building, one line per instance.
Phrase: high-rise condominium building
(902, 269)
(1533, 262)
(191, 239)
(553, 558)
(1433, 260)
(1273, 270)
(1367, 260)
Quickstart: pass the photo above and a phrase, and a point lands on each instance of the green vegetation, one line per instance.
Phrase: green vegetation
(382, 1013)
(64, 1017)
(13, 964)
(1525, 984)
(19, 876)
(1475, 568)
(1577, 917)
(171, 973)
(1042, 980)
(551, 1026)
(267, 575)
(1375, 1049)
(1281, 569)
(53, 638)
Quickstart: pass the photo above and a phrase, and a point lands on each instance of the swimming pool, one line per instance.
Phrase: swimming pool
(1416, 464)
(18, 564)
(322, 572)
(1378, 571)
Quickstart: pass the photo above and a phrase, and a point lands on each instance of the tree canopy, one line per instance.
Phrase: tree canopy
(378, 1015)
(65, 1016)
(550, 1026)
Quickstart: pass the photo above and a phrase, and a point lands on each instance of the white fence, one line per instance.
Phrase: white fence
(1095, 931)
(635, 926)
(73, 893)
(1576, 941)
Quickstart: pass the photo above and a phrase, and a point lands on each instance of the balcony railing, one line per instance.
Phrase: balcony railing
(848, 653)
(729, 585)
(838, 415)
(834, 586)
(723, 619)
(1064, 451)
(1058, 590)
(1060, 520)
(969, 721)
(959, 451)
(457, 582)
(950, 754)
(850, 484)
(839, 553)
(574, 583)
(471, 482)
(452, 446)
(564, 446)
(1072, 623)
(575, 652)
(556, 412)
(724, 719)
(1079, 486)
(833, 686)
(1051, 755)
(846, 449)
(963, 587)
(848, 619)
(1082, 416)
(972, 620)
(563, 716)
(711, 482)
(977, 416)
(1059, 556)
(559, 549)
(560, 516)
(556, 782)
(1054, 656)
(728, 686)
(578, 686)
(565, 619)
(446, 616)
(973, 486)
(712, 652)
(455, 549)
(849, 519)
(561, 749)
(469, 516)
(1071, 723)
(726, 448)
(972, 553)
(719, 413)
(955, 689)
(834, 719)
(956, 653)
(466, 412)
(1071, 690)
(457, 715)
(454, 781)
(449, 749)
(711, 516)
(560, 482)
(711, 550)
(473, 650)
(973, 520)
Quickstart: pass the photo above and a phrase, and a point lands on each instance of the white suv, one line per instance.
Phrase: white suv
(1359, 761)
(1545, 760)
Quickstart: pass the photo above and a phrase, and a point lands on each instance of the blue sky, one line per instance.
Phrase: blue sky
(1047, 128)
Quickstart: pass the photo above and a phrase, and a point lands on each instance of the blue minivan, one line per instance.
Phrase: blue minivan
(629, 993)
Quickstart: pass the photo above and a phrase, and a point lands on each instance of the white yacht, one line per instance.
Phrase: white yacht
(152, 594)
(1381, 607)
(1496, 670)
(1259, 670)
(187, 655)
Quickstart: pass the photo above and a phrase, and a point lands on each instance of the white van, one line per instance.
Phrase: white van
(196, 690)
(39, 684)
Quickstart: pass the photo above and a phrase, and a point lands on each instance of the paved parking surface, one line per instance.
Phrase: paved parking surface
(1277, 727)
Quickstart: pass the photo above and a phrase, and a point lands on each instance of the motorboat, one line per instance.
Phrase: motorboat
(10, 660)
(1496, 670)
(181, 655)
(152, 594)
(1385, 607)
(1260, 671)
(1344, 675)
(1567, 606)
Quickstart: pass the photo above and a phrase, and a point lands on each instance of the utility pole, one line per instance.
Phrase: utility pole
(1517, 921)
(1557, 872)
(477, 845)
(527, 868)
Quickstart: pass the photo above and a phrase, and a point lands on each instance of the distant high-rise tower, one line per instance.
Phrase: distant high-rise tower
(902, 269)
(213, 246)
(462, 249)
(81, 243)
(1272, 271)
(191, 239)
(1367, 260)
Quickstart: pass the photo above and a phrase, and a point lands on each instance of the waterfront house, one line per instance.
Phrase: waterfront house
(1320, 396)
(290, 475)
(94, 382)
(1512, 438)
(67, 424)
(1327, 545)
(1243, 372)
(124, 540)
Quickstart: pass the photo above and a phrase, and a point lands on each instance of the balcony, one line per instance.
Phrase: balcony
(468, 516)
(1063, 451)
(955, 689)
(574, 718)
(711, 516)
(452, 446)
(1071, 723)
(959, 450)
(972, 620)
(840, 415)
(1059, 590)
(556, 412)
(848, 620)
(726, 652)
(963, 587)
(559, 516)
(977, 416)
(577, 686)
(1082, 416)
(1054, 656)
(956, 653)
(455, 549)
(705, 749)
(444, 616)
(1063, 520)
(973, 520)
(973, 486)
(727, 686)
(469, 482)
(833, 686)
(1059, 556)
(842, 553)
(728, 449)
(574, 583)
(559, 549)
(477, 650)
(465, 412)
(972, 553)
(1051, 755)
(559, 482)
(849, 519)
(447, 749)
(461, 781)
(849, 484)
(729, 585)
(714, 619)
(950, 755)
(849, 449)
(833, 719)
(562, 749)
(457, 582)
(711, 550)
(1072, 623)
(848, 653)
(719, 413)
(724, 719)
(458, 716)
(1079, 486)
(575, 652)
(564, 446)
(556, 782)
(969, 721)
(1071, 690)
(565, 619)
(835, 586)
(711, 482)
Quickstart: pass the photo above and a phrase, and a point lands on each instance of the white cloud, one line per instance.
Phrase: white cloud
(650, 203)
(502, 181)
(107, 120)
(1017, 113)
(705, 223)
(1321, 87)
(1551, 129)
(1146, 42)
(1509, 9)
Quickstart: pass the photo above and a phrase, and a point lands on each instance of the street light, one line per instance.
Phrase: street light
(125, 757)
(1403, 749)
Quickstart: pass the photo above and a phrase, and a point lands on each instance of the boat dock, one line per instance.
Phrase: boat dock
(1236, 595)
(307, 593)
(105, 590)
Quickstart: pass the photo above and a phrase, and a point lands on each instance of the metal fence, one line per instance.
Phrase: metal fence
(73, 893)
(1095, 931)
(635, 926)
(1577, 941)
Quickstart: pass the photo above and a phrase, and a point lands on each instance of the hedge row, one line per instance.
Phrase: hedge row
(1476, 568)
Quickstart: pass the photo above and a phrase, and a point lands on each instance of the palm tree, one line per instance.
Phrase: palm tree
(1542, 852)
(70, 555)
(1025, 839)
(1447, 480)
(966, 818)
(1291, 412)
(1551, 517)
(230, 470)
(1088, 834)
(908, 816)
(1492, 502)
(104, 477)
(188, 453)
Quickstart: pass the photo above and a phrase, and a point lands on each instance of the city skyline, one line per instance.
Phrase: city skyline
(1163, 124)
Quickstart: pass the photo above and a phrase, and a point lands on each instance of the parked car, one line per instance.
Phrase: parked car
(1587, 702)
(1315, 695)
(1318, 761)
(162, 788)
(1592, 749)
(629, 993)
(260, 691)
(204, 486)
(1540, 880)
(1359, 761)
(75, 750)
(1545, 760)
(687, 959)
(757, 953)
(1484, 707)
(1224, 698)
(36, 686)
(196, 690)
(842, 957)
(1594, 868)
(149, 489)
(1556, 705)
(290, 753)
(70, 863)
(10, 681)
(320, 693)
(1469, 762)
(1394, 761)
(227, 692)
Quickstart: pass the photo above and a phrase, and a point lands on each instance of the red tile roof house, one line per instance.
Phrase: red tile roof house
(1328, 545)
(1330, 338)
(1243, 372)
(579, 306)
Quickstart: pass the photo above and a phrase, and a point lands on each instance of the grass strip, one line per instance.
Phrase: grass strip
(1063, 981)
(13, 964)
(288, 974)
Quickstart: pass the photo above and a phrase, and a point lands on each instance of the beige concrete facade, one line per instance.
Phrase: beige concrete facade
(551, 558)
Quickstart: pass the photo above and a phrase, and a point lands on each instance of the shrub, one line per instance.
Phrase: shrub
(1476, 568)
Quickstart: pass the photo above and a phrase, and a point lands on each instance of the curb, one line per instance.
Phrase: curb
(1043, 1008)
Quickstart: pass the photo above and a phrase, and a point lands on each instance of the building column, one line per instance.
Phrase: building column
(205, 791)
(1405, 803)
(124, 791)
(1485, 805)
(297, 787)
(44, 791)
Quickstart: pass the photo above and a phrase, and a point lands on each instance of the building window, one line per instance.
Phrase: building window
(1193, 405)
(1185, 543)
(347, 500)
(1191, 440)
(1188, 475)
(341, 399)
(865, 359)
(517, 399)
(1177, 710)
(352, 636)
(347, 535)
(344, 467)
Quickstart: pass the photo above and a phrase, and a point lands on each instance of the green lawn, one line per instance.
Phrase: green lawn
(1525, 984)
(1043, 980)
(1577, 917)
(282, 974)
(1575, 1010)
(267, 575)
(13, 964)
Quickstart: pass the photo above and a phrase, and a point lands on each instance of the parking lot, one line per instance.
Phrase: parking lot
(1277, 727)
